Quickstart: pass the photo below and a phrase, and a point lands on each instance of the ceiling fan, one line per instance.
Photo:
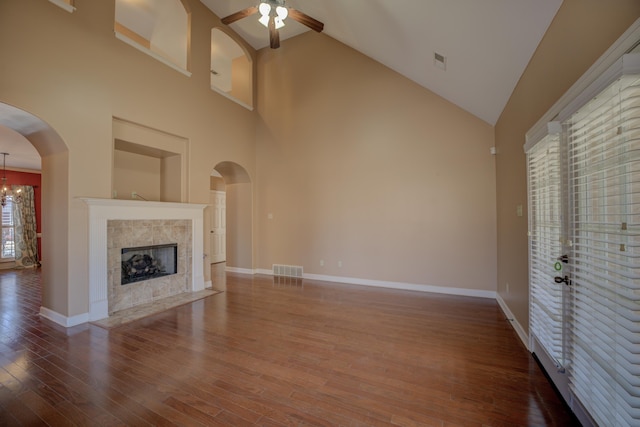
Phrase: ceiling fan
(274, 12)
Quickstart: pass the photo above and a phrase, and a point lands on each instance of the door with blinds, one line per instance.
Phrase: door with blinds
(584, 194)
(547, 254)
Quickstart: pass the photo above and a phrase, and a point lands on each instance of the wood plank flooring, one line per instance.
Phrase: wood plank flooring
(270, 352)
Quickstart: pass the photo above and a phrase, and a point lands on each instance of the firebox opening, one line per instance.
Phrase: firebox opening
(148, 262)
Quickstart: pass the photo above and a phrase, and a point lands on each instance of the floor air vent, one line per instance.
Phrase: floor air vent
(287, 270)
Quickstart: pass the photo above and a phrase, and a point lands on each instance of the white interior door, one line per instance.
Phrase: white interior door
(218, 226)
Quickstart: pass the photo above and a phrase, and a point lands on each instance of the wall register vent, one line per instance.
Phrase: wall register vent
(287, 270)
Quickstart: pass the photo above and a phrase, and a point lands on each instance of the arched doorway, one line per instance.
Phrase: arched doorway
(238, 217)
(55, 204)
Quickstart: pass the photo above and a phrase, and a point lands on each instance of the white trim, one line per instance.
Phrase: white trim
(608, 59)
(478, 293)
(63, 5)
(561, 382)
(151, 53)
(514, 322)
(7, 263)
(627, 64)
(65, 321)
(240, 270)
(404, 286)
(236, 100)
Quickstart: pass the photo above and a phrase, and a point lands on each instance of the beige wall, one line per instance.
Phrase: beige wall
(135, 173)
(71, 71)
(239, 225)
(359, 165)
(581, 31)
(217, 184)
(242, 80)
(354, 163)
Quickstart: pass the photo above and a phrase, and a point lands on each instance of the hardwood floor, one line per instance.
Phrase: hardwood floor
(271, 352)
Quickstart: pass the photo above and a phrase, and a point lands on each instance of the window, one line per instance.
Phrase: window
(603, 142)
(584, 195)
(8, 241)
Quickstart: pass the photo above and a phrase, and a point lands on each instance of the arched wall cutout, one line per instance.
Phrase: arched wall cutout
(231, 68)
(160, 29)
(233, 173)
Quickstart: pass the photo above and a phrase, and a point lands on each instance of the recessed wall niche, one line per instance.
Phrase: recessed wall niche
(148, 164)
(231, 69)
(158, 28)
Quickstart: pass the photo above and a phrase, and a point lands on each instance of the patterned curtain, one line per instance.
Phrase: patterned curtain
(24, 217)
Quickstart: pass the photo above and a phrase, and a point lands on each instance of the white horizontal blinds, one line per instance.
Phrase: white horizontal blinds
(604, 161)
(545, 223)
(7, 230)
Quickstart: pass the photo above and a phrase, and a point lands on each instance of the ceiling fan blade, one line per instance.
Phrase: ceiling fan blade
(274, 34)
(305, 19)
(239, 15)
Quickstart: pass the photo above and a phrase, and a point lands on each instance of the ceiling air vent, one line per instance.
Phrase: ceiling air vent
(440, 61)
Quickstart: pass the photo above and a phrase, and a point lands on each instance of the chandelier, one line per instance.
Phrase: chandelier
(3, 199)
(5, 188)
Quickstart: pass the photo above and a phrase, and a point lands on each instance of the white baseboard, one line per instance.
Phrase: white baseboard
(391, 285)
(524, 337)
(404, 286)
(62, 320)
(240, 270)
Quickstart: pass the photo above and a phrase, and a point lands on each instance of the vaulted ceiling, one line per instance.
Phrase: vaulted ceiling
(487, 43)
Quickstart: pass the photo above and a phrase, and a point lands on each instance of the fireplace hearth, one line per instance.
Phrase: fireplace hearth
(148, 262)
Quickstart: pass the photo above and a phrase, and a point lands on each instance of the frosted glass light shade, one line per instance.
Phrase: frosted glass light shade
(264, 9)
(282, 12)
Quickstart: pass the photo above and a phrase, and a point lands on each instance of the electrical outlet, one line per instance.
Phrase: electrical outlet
(134, 194)
(339, 264)
(321, 263)
(507, 287)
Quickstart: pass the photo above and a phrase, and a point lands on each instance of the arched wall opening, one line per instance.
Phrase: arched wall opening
(55, 204)
(231, 69)
(160, 29)
(238, 191)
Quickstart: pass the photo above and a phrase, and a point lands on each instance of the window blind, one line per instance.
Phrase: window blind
(546, 319)
(8, 241)
(604, 186)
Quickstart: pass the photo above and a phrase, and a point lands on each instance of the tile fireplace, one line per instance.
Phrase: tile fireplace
(116, 224)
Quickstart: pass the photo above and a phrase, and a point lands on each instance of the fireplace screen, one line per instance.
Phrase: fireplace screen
(148, 262)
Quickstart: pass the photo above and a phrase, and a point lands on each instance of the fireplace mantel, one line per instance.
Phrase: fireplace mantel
(102, 210)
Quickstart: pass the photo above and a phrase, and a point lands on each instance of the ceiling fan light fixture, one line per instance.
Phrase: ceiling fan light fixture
(282, 12)
(265, 9)
(264, 20)
(279, 22)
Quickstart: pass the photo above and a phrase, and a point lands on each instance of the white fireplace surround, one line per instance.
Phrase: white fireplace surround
(103, 210)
